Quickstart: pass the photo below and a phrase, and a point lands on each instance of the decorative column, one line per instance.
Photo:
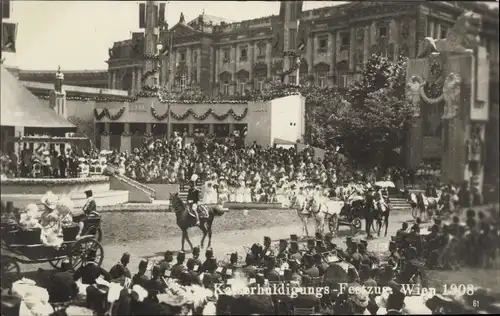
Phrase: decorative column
(189, 64)
(217, 63)
(366, 44)
(430, 31)
(309, 56)
(113, 79)
(250, 62)
(190, 129)
(438, 31)
(210, 129)
(134, 80)
(198, 65)
(149, 128)
(269, 59)
(105, 138)
(373, 35)
(138, 76)
(126, 142)
(329, 56)
(395, 37)
(234, 64)
(352, 48)
(231, 128)
(110, 80)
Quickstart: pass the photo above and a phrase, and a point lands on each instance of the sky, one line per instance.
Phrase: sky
(76, 35)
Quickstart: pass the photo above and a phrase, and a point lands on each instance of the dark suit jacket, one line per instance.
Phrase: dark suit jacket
(90, 207)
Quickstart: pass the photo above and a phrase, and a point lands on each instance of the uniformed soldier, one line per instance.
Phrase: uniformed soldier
(211, 277)
(196, 256)
(320, 246)
(349, 243)
(294, 237)
(283, 251)
(176, 270)
(394, 254)
(320, 264)
(294, 267)
(267, 251)
(355, 257)
(310, 269)
(155, 285)
(363, 255)
(166, 263)
(413, 268)
(257, 252)
(250, 269)
(193, 198)
(209, 254)
(189, 275)
(140, 277)
(294, 252)
(311, 247)
(270, 273)
(374, 259)
(231, 267)
(329, 241)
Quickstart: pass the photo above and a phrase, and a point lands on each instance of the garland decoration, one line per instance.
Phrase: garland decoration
(432, 93)
(199, 117)
(292, 69)
(105, 112)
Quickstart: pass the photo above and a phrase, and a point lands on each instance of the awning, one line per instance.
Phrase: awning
(21, 108)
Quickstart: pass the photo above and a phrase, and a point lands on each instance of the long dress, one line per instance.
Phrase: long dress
(223, 195)
(247, 195)
(239, 195)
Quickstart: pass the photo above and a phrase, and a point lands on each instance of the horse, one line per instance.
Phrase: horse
(425, 204)
(319, 210)
(186, 220)
(299, 203)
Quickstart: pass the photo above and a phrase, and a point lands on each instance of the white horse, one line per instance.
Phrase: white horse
(317, 208)
(418, 201)
(299, 202)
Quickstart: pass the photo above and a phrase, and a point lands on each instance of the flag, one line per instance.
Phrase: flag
(9, 35)
(302, 35)
(142, 15)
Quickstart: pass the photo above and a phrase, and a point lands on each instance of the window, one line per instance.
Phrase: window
(261, 50)
(183, 56)
(183, 82)
(242, 87)
(226, 87)
(243, 54)
(444, 32)
(344, 40)
(323, 42)
(225, 58)
(383, 31)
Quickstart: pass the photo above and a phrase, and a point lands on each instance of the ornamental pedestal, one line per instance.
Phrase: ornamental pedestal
(126, 143)
(105, 142)
(454, 83)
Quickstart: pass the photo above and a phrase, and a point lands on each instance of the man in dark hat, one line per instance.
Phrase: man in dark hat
(294, 267)
(363, 255)
(120, 270)
(209, 254)
(282, 251)
(270, 272)
(320, 264)
(267, 251)
(294, 252)
(89, 209)
(311, 246)
(211, 277)
(232, 266)
(394, 254)
(191, 276)
(179, 266)
(320, 247)
(90, 271)
(140, 277)
(62, 286)
(196, 256)
(412, 268)
(355, 257)
(166, 263)
(250, 268)
(310, 269)
(155, 285)
(193, 198)
(294, 237)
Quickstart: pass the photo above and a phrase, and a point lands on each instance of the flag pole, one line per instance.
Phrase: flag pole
(297, 80)
(169, 85)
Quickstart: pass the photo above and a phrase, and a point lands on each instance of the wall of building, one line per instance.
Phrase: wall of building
(285, 118)
(259, 123)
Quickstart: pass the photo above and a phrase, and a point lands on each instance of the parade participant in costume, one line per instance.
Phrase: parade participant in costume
(267, 250)
(293, 265)
(270, 273)
(90, 270)
(211, 277)
(193, 197)
(179, 266)
(140, 277)
(282, 251)
(294, 252)
(89, 209)
(394, 254)
(166, 263)
(250, 269)
(355, 257)
(155, 285)
(320, 264)
(120, 269)
(310, 268)
(209, 254)
(196, 256)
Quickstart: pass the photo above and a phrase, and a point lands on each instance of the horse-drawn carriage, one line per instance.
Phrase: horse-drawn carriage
(25, 246)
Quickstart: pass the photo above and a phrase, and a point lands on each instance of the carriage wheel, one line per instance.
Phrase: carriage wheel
(96, 232)
(78, 253)
(333, 224)
(11, 271)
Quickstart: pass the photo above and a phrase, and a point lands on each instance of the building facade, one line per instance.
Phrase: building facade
(220, 57)
(80, 78)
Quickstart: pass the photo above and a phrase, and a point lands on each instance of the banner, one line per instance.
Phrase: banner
(142, 15)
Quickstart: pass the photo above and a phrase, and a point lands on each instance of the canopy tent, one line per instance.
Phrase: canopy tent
(21, 108)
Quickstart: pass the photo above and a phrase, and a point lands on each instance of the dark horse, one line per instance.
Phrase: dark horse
(185, 220)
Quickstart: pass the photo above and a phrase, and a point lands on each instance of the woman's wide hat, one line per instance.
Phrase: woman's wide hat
(49, 200)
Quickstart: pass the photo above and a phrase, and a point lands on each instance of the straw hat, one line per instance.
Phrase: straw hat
(49, 200)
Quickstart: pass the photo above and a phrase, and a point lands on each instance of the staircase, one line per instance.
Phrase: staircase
(399, 204)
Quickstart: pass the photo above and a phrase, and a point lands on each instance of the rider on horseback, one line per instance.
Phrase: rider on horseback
(193, 197)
